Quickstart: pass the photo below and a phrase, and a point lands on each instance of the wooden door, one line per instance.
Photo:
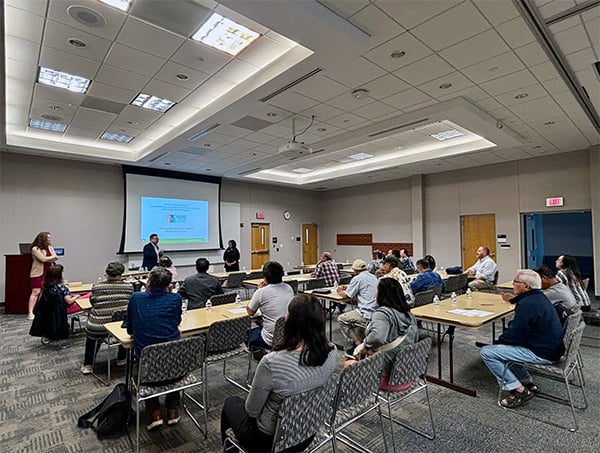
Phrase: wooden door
(310, 243)
(477, 230)
(260, 244)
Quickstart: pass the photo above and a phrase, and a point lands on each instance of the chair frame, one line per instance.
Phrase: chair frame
(360, 396)
(306, 406)
(455, 284)
(237, 346)
(315, 283)
(222, 299)
(194, 346)
(109, 341)
(410, 364)
(277, 335)
(560, 371)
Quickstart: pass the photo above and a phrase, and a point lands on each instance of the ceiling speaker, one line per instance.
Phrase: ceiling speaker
(86, 16)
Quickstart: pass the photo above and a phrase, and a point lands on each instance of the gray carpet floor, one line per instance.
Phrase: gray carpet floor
(43, 393)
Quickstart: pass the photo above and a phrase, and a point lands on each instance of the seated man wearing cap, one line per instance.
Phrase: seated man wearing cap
(426, 278)
(107, 297)
(362, 289)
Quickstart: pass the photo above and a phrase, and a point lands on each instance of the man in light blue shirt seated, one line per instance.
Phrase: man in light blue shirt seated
(362, 289)
(484, 270)
(426, 278)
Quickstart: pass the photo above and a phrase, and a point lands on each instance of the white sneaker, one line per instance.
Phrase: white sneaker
(86, 369)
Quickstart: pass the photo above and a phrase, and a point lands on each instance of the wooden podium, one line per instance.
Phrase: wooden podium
(17, 286)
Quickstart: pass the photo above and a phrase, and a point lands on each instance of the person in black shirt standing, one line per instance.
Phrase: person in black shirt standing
(231, 257)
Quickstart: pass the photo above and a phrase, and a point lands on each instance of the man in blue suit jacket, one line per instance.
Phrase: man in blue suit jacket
(152, 252)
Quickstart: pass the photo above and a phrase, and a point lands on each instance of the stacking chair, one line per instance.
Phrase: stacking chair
(410, 365)
(340, 266)
(300, 416)
(355, 397)
(345, 280)
(294, 285)
(455, 284)
(109, 341)
(437, 290)
(424, 298)
(571, 323)
(252, 276)
(235, 282)
(315, 283)
(222, 299)
(563, 370)
(277, 335)
(166, 368)
(225, 340)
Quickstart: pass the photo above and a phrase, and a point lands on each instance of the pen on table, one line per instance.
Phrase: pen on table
(489, 305)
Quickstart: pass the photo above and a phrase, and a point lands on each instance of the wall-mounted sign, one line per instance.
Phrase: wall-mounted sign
(260, 215)
(553, 202)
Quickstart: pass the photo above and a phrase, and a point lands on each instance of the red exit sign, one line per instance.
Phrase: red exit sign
(555, 201)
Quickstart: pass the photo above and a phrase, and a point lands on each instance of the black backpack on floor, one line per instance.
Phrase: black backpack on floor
(111, 416)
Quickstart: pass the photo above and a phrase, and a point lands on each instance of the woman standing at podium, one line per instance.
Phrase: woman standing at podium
(43, 256)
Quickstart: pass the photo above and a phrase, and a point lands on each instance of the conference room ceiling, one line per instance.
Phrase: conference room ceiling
(365, 83)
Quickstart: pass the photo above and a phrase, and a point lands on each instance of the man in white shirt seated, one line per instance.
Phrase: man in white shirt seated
(484, 270)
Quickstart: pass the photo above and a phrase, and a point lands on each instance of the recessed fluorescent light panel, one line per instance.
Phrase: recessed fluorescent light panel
(116, 137)
(303, 170)
(147, 101)
(225, 35)
(360, 156)
(59, 79)
(123, 5)
(446, 135)
(51, 126)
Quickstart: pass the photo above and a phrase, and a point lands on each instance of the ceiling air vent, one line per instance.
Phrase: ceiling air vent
(395, 128)
(197, 135)
(247, 172)
(291, 84)
(160, 156)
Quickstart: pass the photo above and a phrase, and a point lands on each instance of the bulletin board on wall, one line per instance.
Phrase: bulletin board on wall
(230, 229)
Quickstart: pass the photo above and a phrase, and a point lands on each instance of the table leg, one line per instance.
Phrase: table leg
(439, 349)
(451, 352)
(493, 331)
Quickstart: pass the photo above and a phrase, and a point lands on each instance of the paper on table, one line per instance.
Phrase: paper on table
(471, 313)
(237, 311)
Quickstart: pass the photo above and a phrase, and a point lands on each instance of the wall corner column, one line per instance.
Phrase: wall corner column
(595, 204)
(417, 215)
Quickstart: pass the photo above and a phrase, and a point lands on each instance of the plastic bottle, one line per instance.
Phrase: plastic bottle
(184, 307)
(176, 287)
(436, 302)
(469, 294)
(453, 297)
(238, 300)
(208, 305)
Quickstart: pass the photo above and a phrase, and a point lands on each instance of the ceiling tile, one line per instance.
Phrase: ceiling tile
(581, 60)
(213, 87)
(593, 29)
(456, 79)
(165, 90)
(544, 71)
(320, 88)
(406, 98)
(62, 61)
(419, 106)
(262, 52)
(137, 117)
(110, 75)
(533, 92)
(488, 104)
(375, 110)
(291, 101)
(57, 94)
(58, 35)
(472, 94)
(515, 32)
(95, 115)
(103, 91)
(497, 11)
(532, 54)
(424, 70)
(21, 50)
(21, 71)
(23, 24)
(378, 24)
(346, 8)
(476, 49)
(564, 24)
(549, 9)
(198, 56)
(539, 108)
(53, 107)
(413, 48)
(74, 131)
(347, 120)
(57, 10)
(572, 40)
(353, 73)
(348, 102)
(385, 86)
(237, 71)
(411, 13)
(270, 113)
(133, 60)
(509, 82)
(323, 112)
(148, 38)
(466, 21)
(181, 17)
(34, 6)
(493, 68)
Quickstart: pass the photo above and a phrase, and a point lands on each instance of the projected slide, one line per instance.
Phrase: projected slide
(175, 221)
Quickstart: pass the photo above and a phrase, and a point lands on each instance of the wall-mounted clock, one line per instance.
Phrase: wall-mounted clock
(287, 215)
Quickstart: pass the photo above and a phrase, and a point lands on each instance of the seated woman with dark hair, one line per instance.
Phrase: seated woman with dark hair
(391, 321)
(303, 360)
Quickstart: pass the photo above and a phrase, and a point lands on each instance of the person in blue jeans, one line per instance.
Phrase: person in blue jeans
(153, 317)
(535, 335)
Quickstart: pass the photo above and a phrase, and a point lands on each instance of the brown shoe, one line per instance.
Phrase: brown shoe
(173, 417)
(156, 421)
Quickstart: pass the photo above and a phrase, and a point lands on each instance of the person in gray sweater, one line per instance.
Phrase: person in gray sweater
(555, 290)
(303, 360)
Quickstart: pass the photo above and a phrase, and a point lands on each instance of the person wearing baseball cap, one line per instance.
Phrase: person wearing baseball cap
(362, 290)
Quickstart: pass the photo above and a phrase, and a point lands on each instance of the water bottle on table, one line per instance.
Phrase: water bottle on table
(436, 302)
(453, 297)
(469, 294)
(238, 300)
(209, 304)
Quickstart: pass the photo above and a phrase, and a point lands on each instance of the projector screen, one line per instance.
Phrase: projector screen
(183, 209)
